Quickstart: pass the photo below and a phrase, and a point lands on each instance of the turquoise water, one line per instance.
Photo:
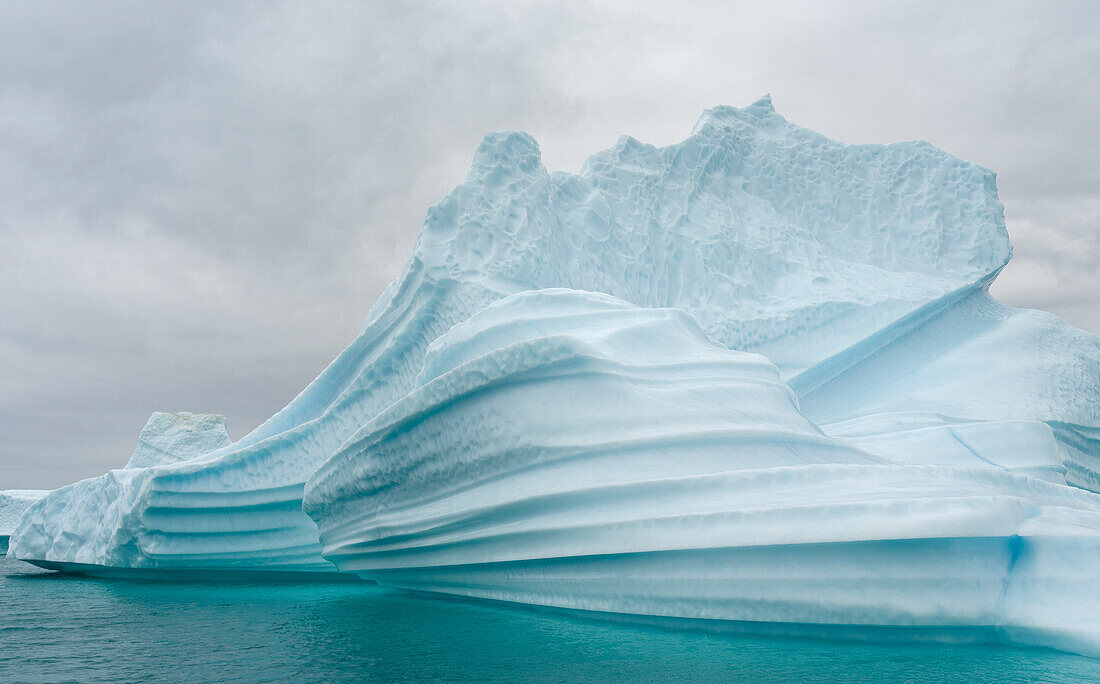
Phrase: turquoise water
(59, 628)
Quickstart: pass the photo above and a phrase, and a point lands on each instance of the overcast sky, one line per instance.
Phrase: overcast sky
(200, 202)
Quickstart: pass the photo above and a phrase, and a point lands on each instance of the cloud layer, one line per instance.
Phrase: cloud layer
(201, 201)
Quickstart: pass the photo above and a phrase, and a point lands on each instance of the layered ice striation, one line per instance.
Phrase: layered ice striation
(567, 449)
(775, 391)
(132, 518)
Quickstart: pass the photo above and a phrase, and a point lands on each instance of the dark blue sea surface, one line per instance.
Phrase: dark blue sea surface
(56, 627)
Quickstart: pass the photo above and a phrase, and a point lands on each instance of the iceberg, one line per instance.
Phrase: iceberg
(753, 379)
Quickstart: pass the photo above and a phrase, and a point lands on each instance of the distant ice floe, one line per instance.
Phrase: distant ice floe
(753, 380)
(13, 503)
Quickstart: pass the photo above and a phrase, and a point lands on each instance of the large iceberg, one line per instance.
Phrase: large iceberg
(752, 378)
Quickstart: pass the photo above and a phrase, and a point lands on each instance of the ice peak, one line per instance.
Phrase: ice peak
(176, 437)
(509, 149)
(723, 115)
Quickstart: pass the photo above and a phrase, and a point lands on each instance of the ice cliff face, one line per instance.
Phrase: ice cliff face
(778, 383)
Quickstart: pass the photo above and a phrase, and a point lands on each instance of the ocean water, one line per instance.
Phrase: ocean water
(56, 627)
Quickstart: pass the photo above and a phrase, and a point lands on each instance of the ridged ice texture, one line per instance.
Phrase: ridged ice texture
(775, 238)
(567, 449)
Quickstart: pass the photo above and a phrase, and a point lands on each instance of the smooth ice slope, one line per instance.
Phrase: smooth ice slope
(978, 362)
(776, 239)
(567, 449)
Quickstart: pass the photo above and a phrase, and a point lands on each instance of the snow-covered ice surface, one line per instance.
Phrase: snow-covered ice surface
(777, 392)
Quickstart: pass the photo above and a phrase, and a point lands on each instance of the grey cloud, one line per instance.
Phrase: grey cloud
(200, 201)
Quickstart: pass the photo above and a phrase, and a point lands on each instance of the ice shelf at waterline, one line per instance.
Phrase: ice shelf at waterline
(774, 390)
